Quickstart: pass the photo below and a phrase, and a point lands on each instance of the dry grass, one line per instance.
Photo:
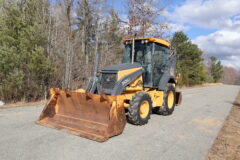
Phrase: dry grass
(199, 86)
(227, 143)
(23, 104)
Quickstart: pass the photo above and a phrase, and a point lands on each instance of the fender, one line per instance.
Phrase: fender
(166, 78)
(122, 83)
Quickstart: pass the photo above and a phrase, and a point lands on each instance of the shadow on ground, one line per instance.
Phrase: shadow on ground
(236, 104)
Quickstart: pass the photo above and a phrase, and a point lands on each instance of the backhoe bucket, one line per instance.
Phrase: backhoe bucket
(178, 98)
(96, 117)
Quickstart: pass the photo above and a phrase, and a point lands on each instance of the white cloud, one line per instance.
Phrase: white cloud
(208, 13)
(223, 44)
(213, 14)
(174, 27)
(232, 61)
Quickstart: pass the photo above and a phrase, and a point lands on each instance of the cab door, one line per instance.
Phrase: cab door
(160, 58)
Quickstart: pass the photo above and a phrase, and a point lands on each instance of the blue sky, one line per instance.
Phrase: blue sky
(214, 25)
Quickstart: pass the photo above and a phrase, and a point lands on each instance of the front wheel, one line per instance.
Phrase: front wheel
(169, 101)
(140, 108)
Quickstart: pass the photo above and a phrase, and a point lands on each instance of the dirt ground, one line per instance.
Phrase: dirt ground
(227, 143)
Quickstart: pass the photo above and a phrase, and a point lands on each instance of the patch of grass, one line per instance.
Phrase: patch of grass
(23, 104)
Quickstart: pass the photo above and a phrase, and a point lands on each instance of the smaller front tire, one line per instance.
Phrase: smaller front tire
(140, 109)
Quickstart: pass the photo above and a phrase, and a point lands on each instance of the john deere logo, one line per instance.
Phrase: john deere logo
(125, 81)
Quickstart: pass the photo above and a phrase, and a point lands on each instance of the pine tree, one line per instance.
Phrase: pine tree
(216, 69)
(24, 67)
(190, 63)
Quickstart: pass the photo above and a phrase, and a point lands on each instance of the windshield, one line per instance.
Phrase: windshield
(142, 53)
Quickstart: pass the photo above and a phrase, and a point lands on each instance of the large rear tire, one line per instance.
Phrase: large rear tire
(169, 101)
(140, 109)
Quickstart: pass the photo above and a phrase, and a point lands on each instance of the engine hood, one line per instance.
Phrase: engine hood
(122, 66)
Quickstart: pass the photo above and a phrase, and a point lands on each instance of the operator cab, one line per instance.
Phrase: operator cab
(152, 54)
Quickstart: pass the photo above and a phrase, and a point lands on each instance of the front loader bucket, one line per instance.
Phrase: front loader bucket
(96, 117)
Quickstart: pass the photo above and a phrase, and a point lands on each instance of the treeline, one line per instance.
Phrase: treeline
(230, 76)
(46, 44)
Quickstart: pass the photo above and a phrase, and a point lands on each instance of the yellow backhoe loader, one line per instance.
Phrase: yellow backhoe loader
(143, 83)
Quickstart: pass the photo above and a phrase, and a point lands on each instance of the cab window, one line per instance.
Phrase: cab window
(160, 57)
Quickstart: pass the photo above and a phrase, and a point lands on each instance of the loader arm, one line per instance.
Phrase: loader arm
(123, 82)
(93, 80)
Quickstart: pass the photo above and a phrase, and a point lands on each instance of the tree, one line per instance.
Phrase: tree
(25, 70)
(190, 63)
(145, 18)
(112, 37)
(238, 78)
(93, 29)
(230, 75)
(216, 69)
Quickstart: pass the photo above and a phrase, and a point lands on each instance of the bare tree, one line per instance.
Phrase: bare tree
(145, 18)
(77, 31)
(230, 75)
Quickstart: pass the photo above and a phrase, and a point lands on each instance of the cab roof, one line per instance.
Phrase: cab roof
(156, 40)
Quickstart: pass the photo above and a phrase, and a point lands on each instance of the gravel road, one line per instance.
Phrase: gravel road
(186, 135)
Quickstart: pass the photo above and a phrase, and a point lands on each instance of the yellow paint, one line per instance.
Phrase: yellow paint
(136, 85)
(52, 91)
(114, 109)
(144, 109)
(137, 82)
(156, 96)
(134, 89)
(80, 90)
(126, 96)
(114, 104)
(126, 72)
(170, 99)
(160, 41)
(177, 77)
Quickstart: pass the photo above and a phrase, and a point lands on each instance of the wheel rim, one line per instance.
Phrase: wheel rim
(144, 109)
(170, 99)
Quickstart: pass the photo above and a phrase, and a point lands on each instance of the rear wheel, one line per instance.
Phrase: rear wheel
(169, 100)
(140, 108)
